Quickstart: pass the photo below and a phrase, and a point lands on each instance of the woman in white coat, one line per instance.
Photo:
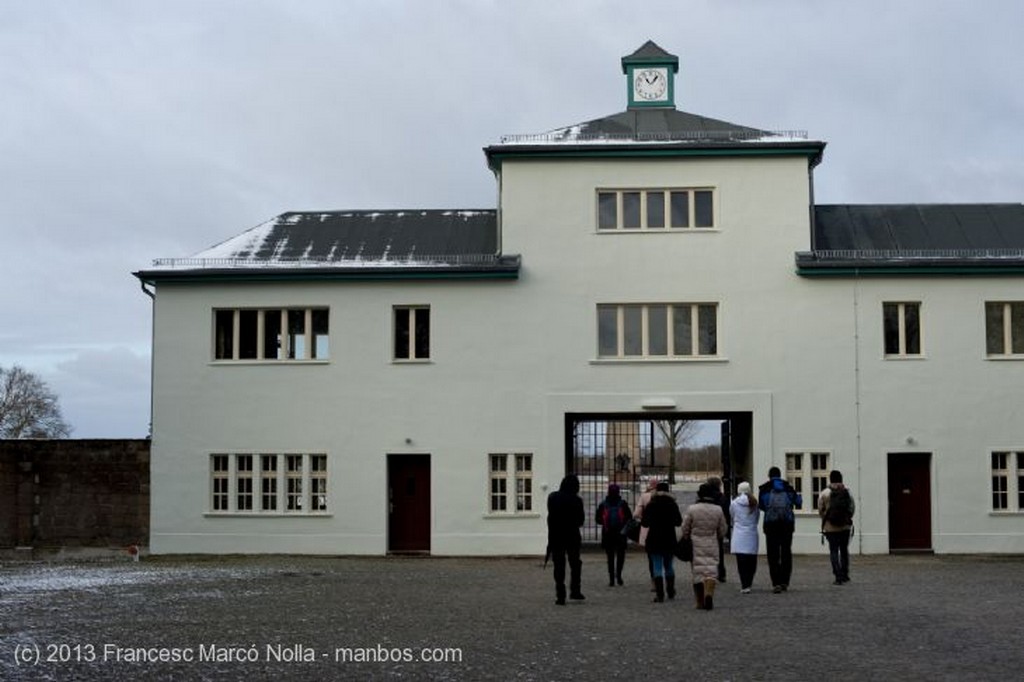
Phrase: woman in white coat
(743, 542)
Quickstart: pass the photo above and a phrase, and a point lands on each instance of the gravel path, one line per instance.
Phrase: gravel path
(907, 617)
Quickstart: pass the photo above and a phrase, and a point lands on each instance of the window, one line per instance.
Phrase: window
(412, 333)
(256, 334)
(293, 483)
(243, 465)
(655, 209)
(901, 323)
(1004, 328)
(318, 482)
(510, 472)
(1008, 481)
(657, 330)
(808, 473)
(219, 482)
(268, 483)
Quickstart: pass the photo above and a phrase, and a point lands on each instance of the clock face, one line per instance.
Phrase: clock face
(650, 85)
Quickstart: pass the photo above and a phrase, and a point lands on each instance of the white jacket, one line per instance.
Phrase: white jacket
(744, 526)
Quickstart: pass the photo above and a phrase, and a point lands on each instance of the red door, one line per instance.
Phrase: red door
(910, 502)
(409, 503)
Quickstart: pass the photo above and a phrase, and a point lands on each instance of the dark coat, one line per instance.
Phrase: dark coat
(795, 500)
(661, 518)
(725, 504)
(565, 514)
(612, 538)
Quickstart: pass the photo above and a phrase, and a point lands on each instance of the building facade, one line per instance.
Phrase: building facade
(373, 382)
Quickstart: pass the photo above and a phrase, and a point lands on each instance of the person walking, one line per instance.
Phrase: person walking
(722, 500)
(777, 499)
(836, 507)
(704, 524)
(661, 518)
(565, 518)
(638, 512)
(613, 514)
(744, 541)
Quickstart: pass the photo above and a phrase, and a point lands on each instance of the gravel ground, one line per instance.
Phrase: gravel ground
(906, 617)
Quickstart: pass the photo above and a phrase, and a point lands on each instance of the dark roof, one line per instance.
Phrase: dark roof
(914, 236)
(353, 243)
(367, 235)
(649, 53)
(664, 123)
(654, 131)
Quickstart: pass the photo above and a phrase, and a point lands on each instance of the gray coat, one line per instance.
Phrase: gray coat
(705, 523)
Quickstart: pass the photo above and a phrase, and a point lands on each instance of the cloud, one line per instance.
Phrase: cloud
(104, 392)
(133, 130)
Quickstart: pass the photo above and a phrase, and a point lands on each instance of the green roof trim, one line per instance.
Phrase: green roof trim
(910, 271)
(497, 155)
(153, 277)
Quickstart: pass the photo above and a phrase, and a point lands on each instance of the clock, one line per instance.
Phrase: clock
(650, 85)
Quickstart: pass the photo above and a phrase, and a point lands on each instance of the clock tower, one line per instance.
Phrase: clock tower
(650, 77)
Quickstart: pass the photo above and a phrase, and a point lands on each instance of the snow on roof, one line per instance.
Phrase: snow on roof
(355, 239)
(659, 126)
(574, 136)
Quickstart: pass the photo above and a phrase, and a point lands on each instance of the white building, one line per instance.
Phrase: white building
(359, 383)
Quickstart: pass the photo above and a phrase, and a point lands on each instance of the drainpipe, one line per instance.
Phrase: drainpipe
(498, 219)
(856, 388)
(152, 342)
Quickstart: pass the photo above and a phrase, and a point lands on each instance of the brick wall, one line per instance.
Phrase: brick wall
(74, 493)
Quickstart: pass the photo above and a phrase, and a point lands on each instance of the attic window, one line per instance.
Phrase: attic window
(412, 333)
(655, 209)
(1004, 328)
(258, 334)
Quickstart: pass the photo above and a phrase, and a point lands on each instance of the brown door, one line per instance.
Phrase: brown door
(910, 503)
(409, 503)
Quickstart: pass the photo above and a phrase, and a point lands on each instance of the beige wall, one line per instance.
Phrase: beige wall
(509, 359)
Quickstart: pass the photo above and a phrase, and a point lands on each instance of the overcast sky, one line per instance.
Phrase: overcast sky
(133, 130)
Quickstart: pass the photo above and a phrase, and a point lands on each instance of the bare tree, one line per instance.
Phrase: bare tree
(28, 408)
(677, 433)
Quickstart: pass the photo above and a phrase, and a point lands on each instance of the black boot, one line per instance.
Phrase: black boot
(670, 587)
(698, 594)
(560, 595)
(659, 589)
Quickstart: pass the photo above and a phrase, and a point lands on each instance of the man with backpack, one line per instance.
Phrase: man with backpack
(613, 514)
(836, 507)
(777, 499)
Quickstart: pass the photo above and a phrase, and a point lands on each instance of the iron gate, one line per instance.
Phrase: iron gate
(608, 451)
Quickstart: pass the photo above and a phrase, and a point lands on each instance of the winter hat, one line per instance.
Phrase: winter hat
(662, 486)
(706, 491)
(743, 488)
(835, 477)
(613, 490)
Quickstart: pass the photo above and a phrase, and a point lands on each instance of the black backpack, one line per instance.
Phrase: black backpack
(840, 508)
